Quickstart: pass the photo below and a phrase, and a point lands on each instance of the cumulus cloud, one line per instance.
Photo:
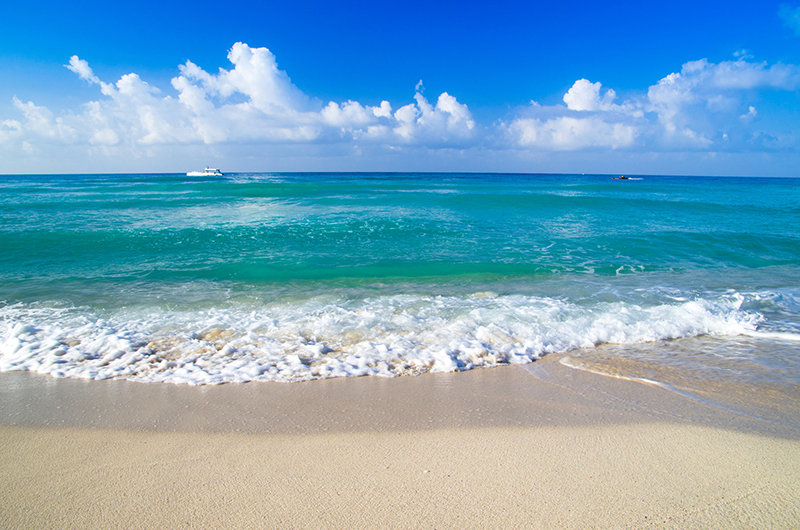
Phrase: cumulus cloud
(255, 75)
(275, 110)
(447, 120)
(40, 121)
(590, 119)
(752, 113)
(691, 109)
(253, 101)
(585, 95)
(567, 133)
(702, 107)
(741, 74)
(702, 100)
(81, 67)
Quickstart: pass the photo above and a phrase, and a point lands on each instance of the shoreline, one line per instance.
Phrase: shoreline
(548, 392)
(538, 446)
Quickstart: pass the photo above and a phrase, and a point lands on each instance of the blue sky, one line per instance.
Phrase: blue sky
(624, 87)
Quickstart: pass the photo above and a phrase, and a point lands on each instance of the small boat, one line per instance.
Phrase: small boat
(207, 172)
(621, 177)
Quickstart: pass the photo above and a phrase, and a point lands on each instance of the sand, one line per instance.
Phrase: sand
(546, 447)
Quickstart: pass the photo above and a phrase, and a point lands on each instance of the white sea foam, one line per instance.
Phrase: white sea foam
(332, 337)
(774, 335)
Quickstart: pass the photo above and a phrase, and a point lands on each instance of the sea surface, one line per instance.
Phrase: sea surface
(688, 281)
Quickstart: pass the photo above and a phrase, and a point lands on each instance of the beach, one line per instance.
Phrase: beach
(540, 446)
(388, 350)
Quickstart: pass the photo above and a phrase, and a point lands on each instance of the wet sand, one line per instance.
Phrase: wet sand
(541, 446)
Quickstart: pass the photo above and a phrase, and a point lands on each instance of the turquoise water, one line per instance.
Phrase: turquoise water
(300, 276)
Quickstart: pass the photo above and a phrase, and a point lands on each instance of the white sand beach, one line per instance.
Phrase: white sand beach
(507, 447)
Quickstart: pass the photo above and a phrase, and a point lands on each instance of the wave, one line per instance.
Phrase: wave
(334, 336)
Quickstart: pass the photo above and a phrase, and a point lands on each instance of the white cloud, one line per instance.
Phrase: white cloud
(349, 114)
(702, 107)
(254, 101)
(590, 120)
(384, 111)
(685, 110)
(448, 121)
(276, 110)
(585, 95)
(752, 113)
(704, 98)
(744, 75)
(81, 67)
(255, 75)
(567, 133)
(42, 122)
(10, 130)
(702, 80)
(37, 119)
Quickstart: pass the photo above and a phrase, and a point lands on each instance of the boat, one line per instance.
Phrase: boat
(207, 172)
(621, 177)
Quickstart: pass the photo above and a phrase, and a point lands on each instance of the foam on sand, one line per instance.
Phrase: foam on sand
(333, 336)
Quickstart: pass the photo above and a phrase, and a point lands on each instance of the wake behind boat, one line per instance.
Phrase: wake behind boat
(207, 172)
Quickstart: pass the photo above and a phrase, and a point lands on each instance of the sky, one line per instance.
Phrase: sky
(687, 88)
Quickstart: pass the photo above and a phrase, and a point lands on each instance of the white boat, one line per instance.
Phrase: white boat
(207, 172)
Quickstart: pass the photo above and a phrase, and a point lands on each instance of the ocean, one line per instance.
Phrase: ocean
(162, 278)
